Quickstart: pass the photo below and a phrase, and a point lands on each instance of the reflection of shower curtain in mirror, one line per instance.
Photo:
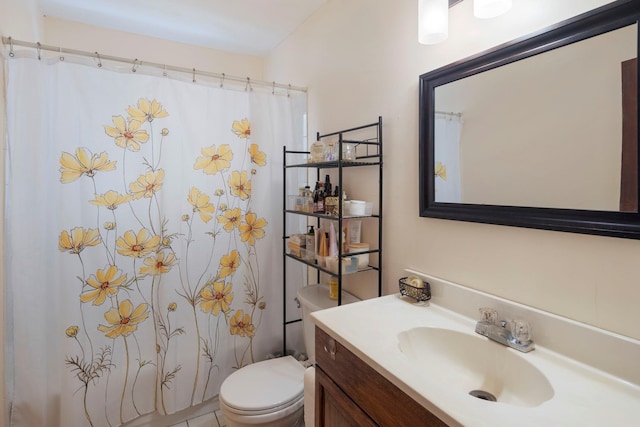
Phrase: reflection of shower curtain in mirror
(447, 158)
(143, 239)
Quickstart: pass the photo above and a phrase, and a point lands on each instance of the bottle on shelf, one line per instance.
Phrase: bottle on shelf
(331, 202)
(314, 198)
(327, 186)
(344, 203)
(319, 198)
(308, 198)
(300, 200)
(310, 243)
(333, 287)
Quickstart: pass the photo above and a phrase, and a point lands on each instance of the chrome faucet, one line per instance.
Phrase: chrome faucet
(519, 337)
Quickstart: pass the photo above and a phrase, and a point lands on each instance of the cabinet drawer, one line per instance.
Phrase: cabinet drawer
(385, 403)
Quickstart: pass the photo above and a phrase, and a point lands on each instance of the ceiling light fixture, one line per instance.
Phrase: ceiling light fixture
(433, 16)
(433, 21)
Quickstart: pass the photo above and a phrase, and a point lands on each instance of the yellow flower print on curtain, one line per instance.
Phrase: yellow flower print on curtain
(258, 157)
(441, 171)
(149, 255)
(111, 199)
(240, 185)
(147, 185)
(123, 320)
(104, 283)
(201, 204)
(241, 324)
(83, 163)
(157, 264)
(137, 245)
(229, 263)
(216, 298)
(127, 135)
(241, 128)
(146, 111)
(252, 228)
(78, 239)
(214, 160)
(230, 218)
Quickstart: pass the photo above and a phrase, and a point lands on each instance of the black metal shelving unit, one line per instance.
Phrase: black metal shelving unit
(368, 155)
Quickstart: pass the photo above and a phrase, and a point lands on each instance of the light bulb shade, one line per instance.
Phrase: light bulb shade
(484, 9)
(433, 21)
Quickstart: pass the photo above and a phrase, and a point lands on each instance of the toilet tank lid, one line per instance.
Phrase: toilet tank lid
(316, 297)
(262, 386)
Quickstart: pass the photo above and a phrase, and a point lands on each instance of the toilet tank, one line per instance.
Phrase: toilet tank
(313, 298)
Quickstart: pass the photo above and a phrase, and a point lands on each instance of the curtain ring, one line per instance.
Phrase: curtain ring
(289, 91)
(135, 65)
(194, 76)
(273, 89)
(222, 80)
(248, 85)
(164, 72)
(99, 60)
(11, 54)
(61, 55)
(38, 50)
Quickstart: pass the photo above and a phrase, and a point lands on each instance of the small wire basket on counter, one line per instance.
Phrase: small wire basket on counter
(409, 289)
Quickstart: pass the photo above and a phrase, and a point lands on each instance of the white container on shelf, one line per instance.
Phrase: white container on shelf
(349, 264)
(354, 248)
(358, 208)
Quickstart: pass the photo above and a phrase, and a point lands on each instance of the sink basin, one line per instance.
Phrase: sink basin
(472, 363)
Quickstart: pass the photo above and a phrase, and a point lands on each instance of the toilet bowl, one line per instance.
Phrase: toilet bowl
(271, 393)
(268, 393)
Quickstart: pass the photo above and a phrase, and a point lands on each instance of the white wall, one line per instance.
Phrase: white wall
(63, 33)
(361, 59)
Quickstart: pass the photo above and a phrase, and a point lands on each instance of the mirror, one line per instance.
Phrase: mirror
(540, 132)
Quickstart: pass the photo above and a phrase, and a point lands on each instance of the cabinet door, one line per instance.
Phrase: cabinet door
(334, 408)
(382, 402)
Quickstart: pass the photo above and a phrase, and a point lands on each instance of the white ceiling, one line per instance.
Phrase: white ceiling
(244, 26)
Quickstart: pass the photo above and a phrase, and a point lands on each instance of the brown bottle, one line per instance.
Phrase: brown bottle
(319, 198)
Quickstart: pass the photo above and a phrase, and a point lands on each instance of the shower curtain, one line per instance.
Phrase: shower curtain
(447, 166)
(143, 238)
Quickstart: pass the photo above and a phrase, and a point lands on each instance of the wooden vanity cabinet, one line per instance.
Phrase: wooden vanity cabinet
(351, 393)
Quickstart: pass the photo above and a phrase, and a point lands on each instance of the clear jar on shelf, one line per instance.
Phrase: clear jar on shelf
(348, 151)
(316, 152)
(330, 152)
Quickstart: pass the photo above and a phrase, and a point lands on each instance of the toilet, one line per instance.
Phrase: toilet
(271, 393)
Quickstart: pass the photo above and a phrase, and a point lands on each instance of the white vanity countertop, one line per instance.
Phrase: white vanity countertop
(583, 396)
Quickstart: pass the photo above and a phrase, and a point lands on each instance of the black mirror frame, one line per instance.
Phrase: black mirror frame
(612, 16)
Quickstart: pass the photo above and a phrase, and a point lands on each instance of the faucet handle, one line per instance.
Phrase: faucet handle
(521, 331)
(488, 315)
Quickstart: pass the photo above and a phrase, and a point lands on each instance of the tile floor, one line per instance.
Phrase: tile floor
(212, 419)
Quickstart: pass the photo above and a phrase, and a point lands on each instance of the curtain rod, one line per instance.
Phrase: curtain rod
(8, 41)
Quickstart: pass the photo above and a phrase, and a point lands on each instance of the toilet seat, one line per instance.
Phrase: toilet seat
(264, 387)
